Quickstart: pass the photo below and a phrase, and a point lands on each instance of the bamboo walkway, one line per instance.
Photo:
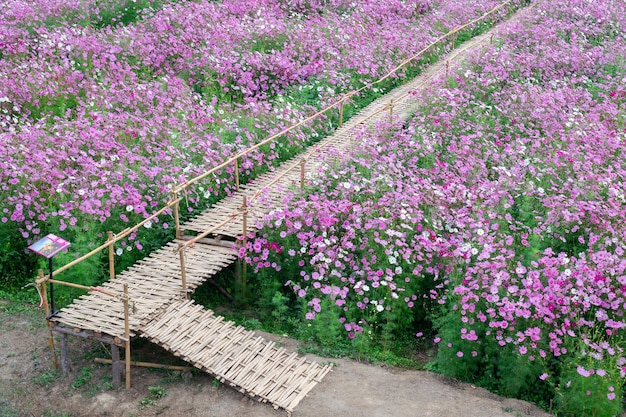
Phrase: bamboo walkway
(160, 310)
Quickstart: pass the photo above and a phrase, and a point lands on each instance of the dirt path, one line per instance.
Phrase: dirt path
(28, 386)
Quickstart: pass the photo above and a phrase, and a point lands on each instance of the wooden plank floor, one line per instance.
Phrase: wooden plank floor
(235, 356)
(153, 283)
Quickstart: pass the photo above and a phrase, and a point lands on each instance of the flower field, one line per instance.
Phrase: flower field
(104, 106)
(491, 222)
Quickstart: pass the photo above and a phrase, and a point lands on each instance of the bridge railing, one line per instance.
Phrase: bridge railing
(173, 204)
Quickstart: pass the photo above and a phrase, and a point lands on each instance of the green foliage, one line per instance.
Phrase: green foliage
(125, 12)
(46, 379)
(84, 377)
(17, 264)
(155, 394)
(579, 395)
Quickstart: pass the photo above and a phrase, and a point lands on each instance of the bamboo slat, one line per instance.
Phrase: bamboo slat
(234, 355)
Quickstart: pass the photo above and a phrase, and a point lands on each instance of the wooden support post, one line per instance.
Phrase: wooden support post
(453, 40)
(491, 39)
(183, 270)
(116, 369)
(447, 67)
(302, 162)
(127, 335)
(65, 356)
(244, 208)
(179, 233)
(44, 300)
(341, 112)
(391, 111)
(111, 255)
(236, 175)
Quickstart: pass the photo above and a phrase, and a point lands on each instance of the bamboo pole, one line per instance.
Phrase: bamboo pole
(46, 307)
(347, 95)
(391, 111)
(80, 287)
(302, 162)
(118, 237)
(176, 215)
(224, 164)
(201, 236)
(147, 365)
(341, 112)
(244, 208)
(127, 335)
(183, 271)
(111, 255)
(237, 174)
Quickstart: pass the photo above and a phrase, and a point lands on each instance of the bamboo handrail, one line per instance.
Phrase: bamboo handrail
(116, 238)
(176, 189)
(206, 233)
(342, 99)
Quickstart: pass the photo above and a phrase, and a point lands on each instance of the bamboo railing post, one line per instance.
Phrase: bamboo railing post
(302, 162)
(127, 335)
(236, 174)
(183, 271)
(244, 242)
(111, 255)
(453, 40)
(244, 210)
(341, 112)
(44, 300)
(391, 111)
(447, 67)
(176, 215)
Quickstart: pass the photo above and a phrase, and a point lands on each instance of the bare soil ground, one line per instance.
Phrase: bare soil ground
(29, 386)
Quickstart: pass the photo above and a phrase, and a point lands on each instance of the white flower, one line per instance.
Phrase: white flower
(148, 225)
(379, 308)
(129, 208)
(119, 251)
(480, 232)
(366, 288)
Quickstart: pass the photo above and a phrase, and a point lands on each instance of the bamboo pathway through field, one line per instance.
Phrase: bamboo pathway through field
(160, 310)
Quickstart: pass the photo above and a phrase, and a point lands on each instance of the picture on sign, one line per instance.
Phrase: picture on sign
(49, 246)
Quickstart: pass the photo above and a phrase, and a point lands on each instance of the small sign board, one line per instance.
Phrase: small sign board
(49, 246)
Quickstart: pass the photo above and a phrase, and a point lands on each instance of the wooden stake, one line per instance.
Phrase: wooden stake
(111, 255)
(46, 307)
(183, 271)
(65, 356)
(237, 174)
(127, 334)
(116, 369)
(302, 162)
(447, 67)
(176, 215)
(341, 113)
(391, 111)
(244, 208)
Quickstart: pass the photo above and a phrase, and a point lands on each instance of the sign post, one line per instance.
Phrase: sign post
(48, 247)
